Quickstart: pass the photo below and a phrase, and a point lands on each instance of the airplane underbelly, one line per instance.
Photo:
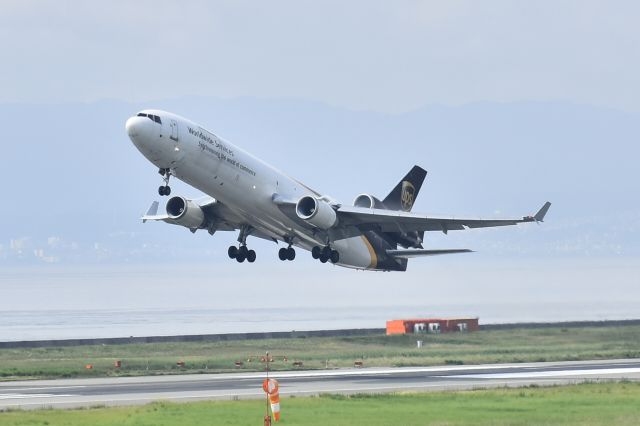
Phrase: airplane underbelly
(356, 252)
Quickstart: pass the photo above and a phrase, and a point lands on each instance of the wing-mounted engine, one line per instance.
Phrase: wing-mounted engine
(185, 212)
(188, 213)
(368, 202)
(317, 212)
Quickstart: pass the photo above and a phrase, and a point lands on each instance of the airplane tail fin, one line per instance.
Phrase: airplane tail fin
(404, 194)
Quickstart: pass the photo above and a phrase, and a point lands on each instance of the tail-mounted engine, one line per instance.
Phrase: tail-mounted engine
(408, 239)
(368, 202)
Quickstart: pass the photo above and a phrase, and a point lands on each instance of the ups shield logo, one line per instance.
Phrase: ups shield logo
(407, 196)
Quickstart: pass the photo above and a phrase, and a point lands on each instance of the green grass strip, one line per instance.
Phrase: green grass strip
(583, 404)
(491, 346)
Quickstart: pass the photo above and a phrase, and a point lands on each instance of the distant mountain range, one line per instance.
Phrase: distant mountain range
(75, 187)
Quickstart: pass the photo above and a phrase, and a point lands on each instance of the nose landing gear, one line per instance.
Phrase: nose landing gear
(166, 175)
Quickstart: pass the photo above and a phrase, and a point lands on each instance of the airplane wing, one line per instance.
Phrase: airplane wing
(354, 221)
(362, 219)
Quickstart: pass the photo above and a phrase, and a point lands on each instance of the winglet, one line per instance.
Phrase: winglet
(539, 217)
(153, 210)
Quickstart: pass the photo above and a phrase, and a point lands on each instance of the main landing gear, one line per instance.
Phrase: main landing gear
(165, 189)
(242, 253)
(325, 254)
(288, 253)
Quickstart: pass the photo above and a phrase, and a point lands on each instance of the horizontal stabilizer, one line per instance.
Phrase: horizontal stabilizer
(406, 254)
(152, 213)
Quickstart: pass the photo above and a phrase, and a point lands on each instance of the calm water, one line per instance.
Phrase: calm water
(64, 324)
(62, 302)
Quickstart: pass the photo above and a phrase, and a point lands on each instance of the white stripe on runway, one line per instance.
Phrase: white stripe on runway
(23, 389)
(29, 395)
(559, 373)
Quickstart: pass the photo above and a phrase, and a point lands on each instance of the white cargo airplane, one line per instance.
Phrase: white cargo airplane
(248, 195)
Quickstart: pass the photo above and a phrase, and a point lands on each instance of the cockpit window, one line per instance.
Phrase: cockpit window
(150, 117)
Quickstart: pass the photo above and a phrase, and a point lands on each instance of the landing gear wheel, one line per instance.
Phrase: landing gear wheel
(325, 254)
(232, 252)
(166, 175)
(282, 254)
(291, 253)
(242, 254)
(316, 252)
(251, 256)
(164, 190)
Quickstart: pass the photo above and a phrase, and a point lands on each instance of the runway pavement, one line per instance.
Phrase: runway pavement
(69, 393)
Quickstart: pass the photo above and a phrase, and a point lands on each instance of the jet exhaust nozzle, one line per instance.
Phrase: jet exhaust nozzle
(185, 212)
(368, 202)
(318, 213)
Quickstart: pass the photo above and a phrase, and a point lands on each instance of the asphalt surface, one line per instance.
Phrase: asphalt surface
(70, 393)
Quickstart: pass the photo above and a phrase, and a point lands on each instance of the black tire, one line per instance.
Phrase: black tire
(161, 190)
(251, 256)
(291, 253)
(232, 252)
(167, 190)
(282, 254)
(335, 256)
(315, 252)
(240, 257)
(323, 258)
(243, 251)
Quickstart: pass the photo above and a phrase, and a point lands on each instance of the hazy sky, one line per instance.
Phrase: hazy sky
(378, 55)
(581, 57)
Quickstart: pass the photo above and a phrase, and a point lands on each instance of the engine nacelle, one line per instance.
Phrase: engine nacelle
(316, 212)
(367, 201)
(185, 212)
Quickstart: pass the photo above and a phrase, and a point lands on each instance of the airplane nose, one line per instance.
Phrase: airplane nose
(145, 133)
(133, 126)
